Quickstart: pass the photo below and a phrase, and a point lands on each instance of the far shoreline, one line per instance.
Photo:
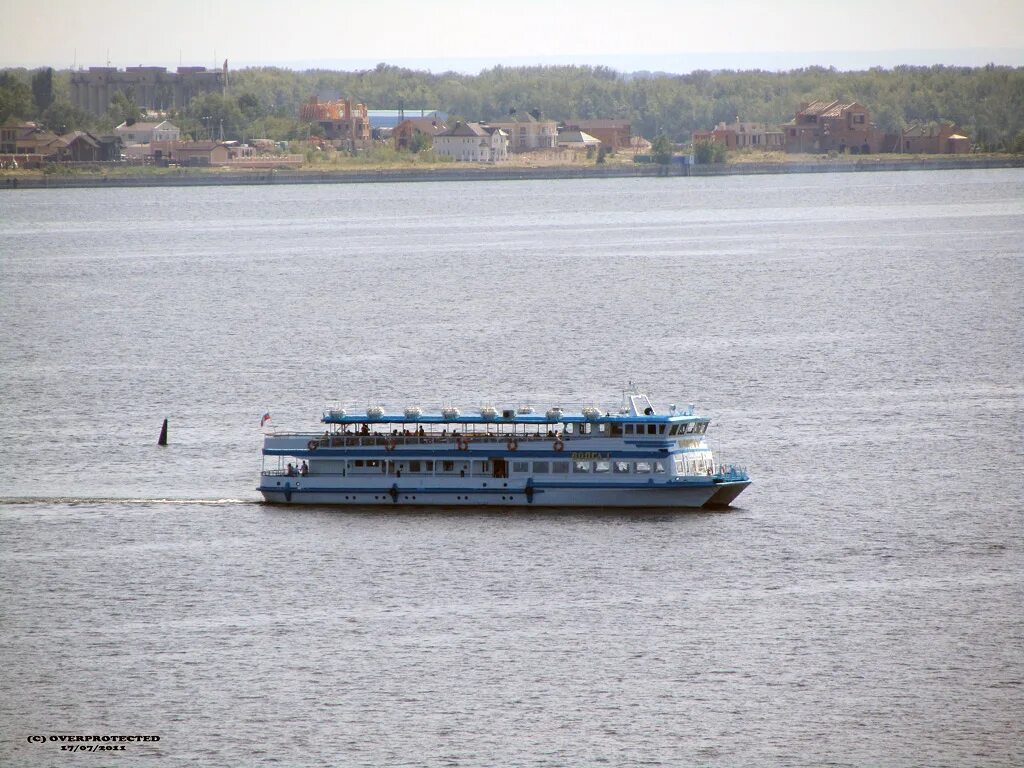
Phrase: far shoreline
(188, 177)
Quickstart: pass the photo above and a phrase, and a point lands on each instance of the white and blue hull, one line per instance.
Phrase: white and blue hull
(309, 491)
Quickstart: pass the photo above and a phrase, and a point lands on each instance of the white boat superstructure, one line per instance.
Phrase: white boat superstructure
(635, 457)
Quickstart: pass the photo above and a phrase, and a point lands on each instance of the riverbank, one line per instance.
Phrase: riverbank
(185, 177)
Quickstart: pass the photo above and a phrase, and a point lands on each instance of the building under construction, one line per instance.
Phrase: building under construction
(342, 121)
(152, 88)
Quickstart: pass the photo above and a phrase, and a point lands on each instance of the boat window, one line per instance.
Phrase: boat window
(568, 429)
(661, 429)
(602, 466)
(581, 466)
(601, 427)
(414, 466)
(675, 428)
(616, 430)
(659, 466)
(559, 467)
(652, 429)
(447, 466)
(680, 465)
(629, 429)
(428, 466)
(358, 463)
(372, 463)
(620, 466)
(692, 427)
(540, 467)
(643, 467)
(703, 427)
(520, 466)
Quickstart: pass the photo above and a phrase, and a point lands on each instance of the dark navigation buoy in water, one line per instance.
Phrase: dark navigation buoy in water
(163, 434)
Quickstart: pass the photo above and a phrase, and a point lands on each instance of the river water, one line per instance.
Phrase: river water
(858, 340)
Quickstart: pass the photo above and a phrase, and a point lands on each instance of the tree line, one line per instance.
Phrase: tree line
(985, 102)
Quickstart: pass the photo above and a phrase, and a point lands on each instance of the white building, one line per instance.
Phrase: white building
(529, 130)
(472, 142)
(147, 133)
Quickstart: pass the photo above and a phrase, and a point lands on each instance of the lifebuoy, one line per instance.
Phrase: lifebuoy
(312, 445)
(512, 444)
(389, 444)
(558, 446)
(462, 444)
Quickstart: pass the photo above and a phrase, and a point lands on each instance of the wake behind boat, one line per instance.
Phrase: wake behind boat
(635, 457)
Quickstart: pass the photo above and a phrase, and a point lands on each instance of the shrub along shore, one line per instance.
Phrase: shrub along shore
(97, 176)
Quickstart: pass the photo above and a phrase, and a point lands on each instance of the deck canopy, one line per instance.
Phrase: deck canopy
(539, 419)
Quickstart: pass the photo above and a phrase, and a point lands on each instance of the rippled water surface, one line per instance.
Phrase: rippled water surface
(857, 339)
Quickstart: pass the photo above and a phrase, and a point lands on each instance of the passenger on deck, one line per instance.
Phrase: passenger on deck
(291, 471)
(365, 429)
(304, 469)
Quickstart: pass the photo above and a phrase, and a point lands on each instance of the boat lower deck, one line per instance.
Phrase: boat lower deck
(301, 491)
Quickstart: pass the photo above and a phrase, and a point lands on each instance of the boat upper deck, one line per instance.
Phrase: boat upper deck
(637, 409)
(334, 417)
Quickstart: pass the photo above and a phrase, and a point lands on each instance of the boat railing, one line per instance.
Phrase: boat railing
(731, 472)
(387, 441)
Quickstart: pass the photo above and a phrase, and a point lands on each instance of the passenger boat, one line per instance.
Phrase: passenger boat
(635, 457)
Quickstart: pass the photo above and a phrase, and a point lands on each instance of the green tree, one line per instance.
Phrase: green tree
(123, 108)
(251, 107)
(661, 150)
(706, 151)
(63, 117)
(703, 151)
(1018, 144)
(42, 89)
(15, 98)
(420, 141)
(216, 113)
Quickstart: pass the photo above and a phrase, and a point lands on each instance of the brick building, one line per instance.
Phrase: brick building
(613, 134)
(405, 132)
(341, 120)
(826, 126)
(743, 136)
(935, 140)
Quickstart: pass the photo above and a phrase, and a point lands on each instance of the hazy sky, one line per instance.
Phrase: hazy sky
(467, 34)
